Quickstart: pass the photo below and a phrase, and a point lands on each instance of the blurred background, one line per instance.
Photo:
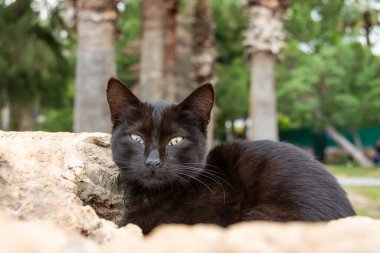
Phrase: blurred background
(305, 72)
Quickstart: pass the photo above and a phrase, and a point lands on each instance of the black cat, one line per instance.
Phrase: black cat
(160, 151)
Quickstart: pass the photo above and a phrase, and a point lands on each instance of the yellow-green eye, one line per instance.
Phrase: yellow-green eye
(175, 140)
(137, 138)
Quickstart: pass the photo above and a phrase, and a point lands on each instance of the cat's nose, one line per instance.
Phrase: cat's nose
(153, 160)
(153, 163)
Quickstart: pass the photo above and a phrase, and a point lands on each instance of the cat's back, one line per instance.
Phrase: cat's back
(281, 178)
(257, 155)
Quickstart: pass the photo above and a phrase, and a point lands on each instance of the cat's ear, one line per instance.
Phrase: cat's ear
(200, 102)
(119, 97)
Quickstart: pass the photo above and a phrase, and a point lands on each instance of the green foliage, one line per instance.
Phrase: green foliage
(318, 22)
(330, 82)
(232, 90)
(127, 47)
(31, 62)
(33, 66)
(233, 76)
(58, 120)
(326, 70)
(230, 24)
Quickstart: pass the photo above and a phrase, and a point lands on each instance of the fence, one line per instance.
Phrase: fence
(318, 142)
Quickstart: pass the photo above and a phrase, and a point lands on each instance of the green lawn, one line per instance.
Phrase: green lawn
(353, 171)
(365, 199)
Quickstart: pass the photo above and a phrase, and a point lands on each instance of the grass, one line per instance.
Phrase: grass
(353, 171)
(365, 199)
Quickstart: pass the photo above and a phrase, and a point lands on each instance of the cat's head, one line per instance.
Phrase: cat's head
(159, 144)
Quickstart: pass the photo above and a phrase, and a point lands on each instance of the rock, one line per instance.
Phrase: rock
(350, 235)
(63, 177)
(38, 236)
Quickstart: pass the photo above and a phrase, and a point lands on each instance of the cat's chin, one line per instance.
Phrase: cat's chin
(153, 182)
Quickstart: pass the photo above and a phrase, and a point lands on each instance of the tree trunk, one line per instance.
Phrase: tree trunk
(354, 152)
(95, 64)
(263, 112)
(265, 37)
(170, 50)
(5, 114)
(204, 53)
(367, 26)
(24, 117)
(184, 81)
(357, 139)
(152, 50)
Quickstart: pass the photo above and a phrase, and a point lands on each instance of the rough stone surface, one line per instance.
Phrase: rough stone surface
(39, 236)
(63, 177)
(54, 187)
(350, 235)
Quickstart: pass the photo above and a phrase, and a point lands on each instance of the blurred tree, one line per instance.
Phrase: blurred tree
(265, 37)
(128, 43)
(170, 57)
(184, 79)
(95, 63)
(158, 50)
(30, 56)
(332, 76)
(204, 53)
(231, 71)
(152, 50)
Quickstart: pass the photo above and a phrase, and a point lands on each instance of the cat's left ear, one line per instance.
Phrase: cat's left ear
(119, 97)
(200, 102)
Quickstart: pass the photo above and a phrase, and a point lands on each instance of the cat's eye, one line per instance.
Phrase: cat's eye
(137, 138)
(176, 140)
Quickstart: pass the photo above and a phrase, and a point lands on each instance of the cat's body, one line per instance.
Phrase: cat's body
(160, 151)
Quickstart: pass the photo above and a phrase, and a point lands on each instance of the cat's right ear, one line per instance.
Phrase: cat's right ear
(200, 102)
(119, 97)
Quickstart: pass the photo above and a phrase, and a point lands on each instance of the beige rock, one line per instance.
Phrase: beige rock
(38, 236)
(46, 237)
(351, 235)
(63, 177)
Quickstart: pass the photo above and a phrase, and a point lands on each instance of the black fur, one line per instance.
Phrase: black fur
(239, 181)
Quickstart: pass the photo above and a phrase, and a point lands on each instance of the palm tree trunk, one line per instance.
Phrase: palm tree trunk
(263, 111)
(24, 117)
(5, 117)
(152, 50)
(204, 54)
(5, 113)
(95, 64)
(265, 37)
(170, 50)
